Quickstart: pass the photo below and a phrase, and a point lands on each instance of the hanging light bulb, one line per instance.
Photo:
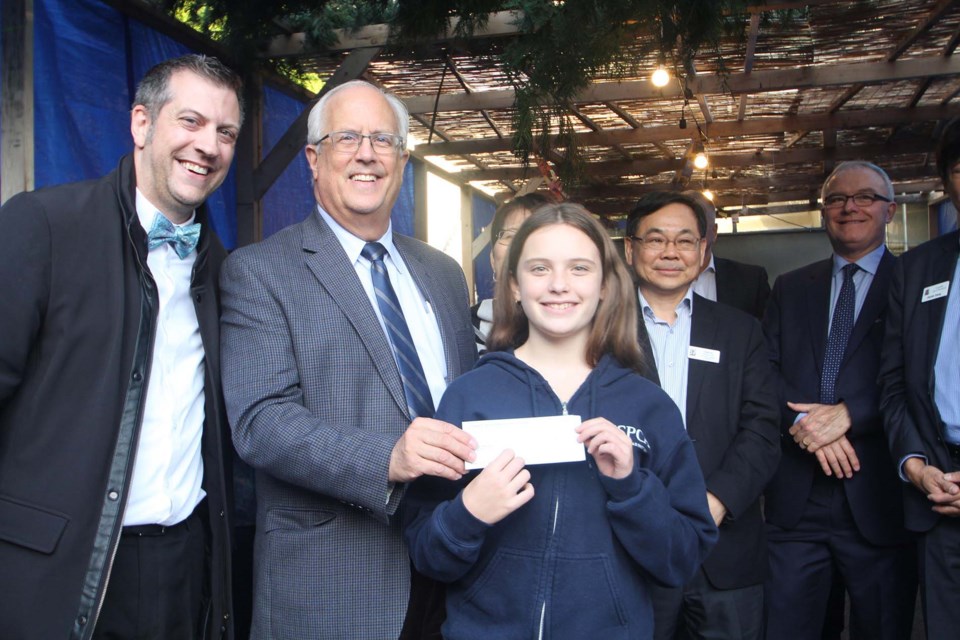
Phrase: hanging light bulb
(708, 194)
(700, 160)
(660, 77)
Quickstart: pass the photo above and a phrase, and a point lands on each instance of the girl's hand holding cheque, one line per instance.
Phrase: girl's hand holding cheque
(610, 447)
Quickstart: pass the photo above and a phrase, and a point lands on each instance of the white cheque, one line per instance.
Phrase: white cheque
(536, 440)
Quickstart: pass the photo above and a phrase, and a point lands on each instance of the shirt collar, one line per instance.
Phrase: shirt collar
(147, 213)
(354, 245)
(869, 263)
(685, 306)
(710, 267)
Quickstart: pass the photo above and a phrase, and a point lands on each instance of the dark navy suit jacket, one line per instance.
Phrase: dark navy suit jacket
(795, 325)
(741, 285)
(909, 355)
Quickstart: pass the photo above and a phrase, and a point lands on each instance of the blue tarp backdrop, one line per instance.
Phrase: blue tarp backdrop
(88, 58)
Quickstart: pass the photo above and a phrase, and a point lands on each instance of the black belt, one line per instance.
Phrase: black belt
(155, 530)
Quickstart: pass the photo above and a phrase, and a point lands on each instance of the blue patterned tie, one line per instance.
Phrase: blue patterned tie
(840, 329)
(183, 239)
(415, 387)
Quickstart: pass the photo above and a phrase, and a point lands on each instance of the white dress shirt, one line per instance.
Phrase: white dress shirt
(421, 320)
(168, 469)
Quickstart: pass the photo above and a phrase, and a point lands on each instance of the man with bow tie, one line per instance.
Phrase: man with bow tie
(113, 518)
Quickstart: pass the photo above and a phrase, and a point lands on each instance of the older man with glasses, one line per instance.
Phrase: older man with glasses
(834, 503)
(712, 362)
(339, 337)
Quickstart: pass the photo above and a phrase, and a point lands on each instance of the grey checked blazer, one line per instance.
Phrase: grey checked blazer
(316, 405)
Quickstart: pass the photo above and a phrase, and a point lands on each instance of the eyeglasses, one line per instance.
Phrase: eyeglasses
(349, 142)
(839, 200)
(656, 244)
(505, 236)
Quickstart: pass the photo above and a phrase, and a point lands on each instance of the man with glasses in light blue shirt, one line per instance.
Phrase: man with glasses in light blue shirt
(711, 360)
(920, 378)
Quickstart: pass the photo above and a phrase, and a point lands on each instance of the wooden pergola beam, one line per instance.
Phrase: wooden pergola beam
(654, 166)
(738, 83)
(722, 129)
(503, 23)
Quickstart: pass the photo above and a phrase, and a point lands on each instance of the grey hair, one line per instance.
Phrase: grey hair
(859, 164)
(317, 120)
(153, 92)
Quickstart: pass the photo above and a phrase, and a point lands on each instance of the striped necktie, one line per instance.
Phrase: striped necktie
(415, 387)
(840, 329)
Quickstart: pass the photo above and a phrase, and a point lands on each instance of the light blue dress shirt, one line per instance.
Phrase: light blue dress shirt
(862, 280)
(671, 346)
(946, 372)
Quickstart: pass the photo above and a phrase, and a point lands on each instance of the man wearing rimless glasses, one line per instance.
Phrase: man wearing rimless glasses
(833, 504)
(340, 336)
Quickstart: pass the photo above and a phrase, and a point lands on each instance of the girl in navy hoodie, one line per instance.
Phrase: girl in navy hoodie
(567, 550)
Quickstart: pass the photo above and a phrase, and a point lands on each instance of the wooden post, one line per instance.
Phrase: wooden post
(419, 200)
(466, 238)
(249, 152)
(16, 98)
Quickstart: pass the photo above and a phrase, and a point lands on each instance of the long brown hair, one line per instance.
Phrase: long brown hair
(614, 326)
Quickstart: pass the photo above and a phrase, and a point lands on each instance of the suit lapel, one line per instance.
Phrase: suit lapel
(437, 295)
(942, 269)
(873, 306)
(643, 339)
(703, 329)
(728, 283)
(818, 308)
(328, 262)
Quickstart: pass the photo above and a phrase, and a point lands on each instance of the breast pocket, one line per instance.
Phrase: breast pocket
(30, 526)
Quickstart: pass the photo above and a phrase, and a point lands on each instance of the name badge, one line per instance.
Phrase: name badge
(935, 291)
(704, 354)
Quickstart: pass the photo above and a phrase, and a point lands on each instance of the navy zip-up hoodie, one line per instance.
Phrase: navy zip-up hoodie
(576, 561)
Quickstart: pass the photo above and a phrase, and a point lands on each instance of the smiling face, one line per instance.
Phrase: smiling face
(183, 152)
(666, 273)
(559, 282)
(358, 189)
(854, 230)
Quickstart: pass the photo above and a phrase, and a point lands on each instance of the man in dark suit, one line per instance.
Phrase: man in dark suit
(113, 491)
(829, 506)
(920, 382)
(711, 359)
(339, 336)
(738, 284)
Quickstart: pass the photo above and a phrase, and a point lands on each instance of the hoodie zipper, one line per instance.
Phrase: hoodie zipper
(553, 530)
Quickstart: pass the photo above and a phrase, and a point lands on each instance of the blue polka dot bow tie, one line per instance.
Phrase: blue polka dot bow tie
(183, 239)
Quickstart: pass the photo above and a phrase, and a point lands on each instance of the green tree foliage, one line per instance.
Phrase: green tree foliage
(565, 44)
